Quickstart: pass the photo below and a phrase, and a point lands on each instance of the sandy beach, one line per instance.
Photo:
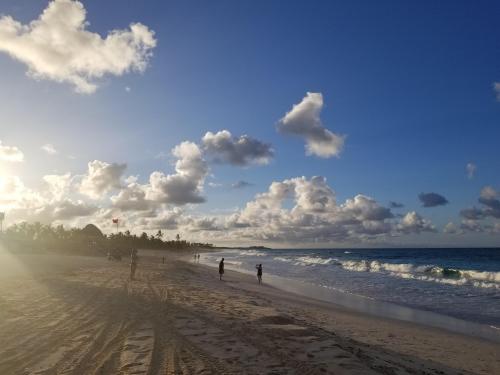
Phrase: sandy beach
(77, 315)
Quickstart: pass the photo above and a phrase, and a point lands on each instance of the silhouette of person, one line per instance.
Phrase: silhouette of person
(134, 259)
(259, 272)
(198, 258)
(221, 269)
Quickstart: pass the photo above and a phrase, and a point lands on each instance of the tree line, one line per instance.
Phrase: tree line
(88, 240)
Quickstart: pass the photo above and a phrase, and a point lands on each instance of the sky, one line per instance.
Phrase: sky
(318, 124)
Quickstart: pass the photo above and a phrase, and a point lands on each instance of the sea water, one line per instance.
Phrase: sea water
(460, 283)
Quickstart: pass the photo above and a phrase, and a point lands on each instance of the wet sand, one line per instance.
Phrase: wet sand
(75, 315)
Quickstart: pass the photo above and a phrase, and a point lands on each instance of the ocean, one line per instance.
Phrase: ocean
(459, 283)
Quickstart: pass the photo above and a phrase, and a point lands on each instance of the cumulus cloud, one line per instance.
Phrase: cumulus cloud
(432, 199)
(471, 170)
(305, 210)
(490, 206)
(101, 177)
(472, 213)
(469, 225)
(304, 121)
(12, 190)
(58, 185)
(489, 198)
(64, 209)
(202, 224)
(451, 228)
(132, 198)
(57, 46)
(241, 151)
(186, 185)
(164, 219)
(180, 188)
(414, 223)
(10, 153)
(49, 149)
(297, 210)
(48, 205)
(241, 184)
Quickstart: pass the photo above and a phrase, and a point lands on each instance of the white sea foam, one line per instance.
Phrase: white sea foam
(252, 253)
(312, 261)
(480, 279)
(482, 275)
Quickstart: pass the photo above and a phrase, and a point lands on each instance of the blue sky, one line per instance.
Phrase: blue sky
(410, 85)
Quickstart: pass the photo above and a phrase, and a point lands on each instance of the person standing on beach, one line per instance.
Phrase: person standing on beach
(198, 257)
(259, 272)
(133, 263)
(221, 269)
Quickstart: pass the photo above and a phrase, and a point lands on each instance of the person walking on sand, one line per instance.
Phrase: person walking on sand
(133, 263)
(221, 269)
(259, 272)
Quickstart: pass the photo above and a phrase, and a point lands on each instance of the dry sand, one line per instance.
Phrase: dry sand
(75, 315)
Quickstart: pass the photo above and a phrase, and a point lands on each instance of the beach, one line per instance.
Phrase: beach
(81, 315)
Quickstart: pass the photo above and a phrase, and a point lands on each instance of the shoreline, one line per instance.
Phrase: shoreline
(376, 308)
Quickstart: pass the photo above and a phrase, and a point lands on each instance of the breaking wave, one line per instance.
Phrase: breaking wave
(252, 253)
(308, 260)
(481, 279)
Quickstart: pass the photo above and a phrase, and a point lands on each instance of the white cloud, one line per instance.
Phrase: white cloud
(12, 190)
(488, 192)
(469, 225)
(164, 219)
(101, 177)
(62, 210)
(242, 151)
(49, 149)
(304, 120)
(131, 198)
(186, 185)
(314, 216)
(489, 198)
(451, 228)
(180, 188)
(58, 185)
(202, 224)
(57, 46)
(48, 205)
(414, 223)
(471, 170)
(10, 153)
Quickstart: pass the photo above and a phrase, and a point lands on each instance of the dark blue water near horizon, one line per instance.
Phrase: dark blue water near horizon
(460, 282)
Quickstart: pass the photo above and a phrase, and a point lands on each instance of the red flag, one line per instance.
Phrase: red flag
(115, 221)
